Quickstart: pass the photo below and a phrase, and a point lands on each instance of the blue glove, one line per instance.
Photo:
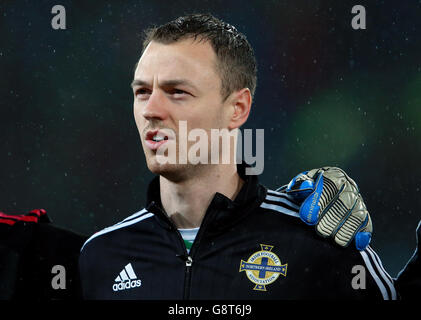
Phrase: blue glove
(331, 201)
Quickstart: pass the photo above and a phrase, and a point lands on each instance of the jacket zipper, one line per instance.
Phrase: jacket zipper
(187, 278)
(188, 263)
(188, 257)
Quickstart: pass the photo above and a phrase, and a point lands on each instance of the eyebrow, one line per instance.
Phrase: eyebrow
(166, 83)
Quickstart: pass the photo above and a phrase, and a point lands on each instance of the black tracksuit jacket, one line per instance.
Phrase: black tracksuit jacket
(255, 247)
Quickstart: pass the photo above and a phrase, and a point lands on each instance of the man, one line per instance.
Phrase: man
(210, 230)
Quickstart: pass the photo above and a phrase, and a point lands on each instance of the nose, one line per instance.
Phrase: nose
(155, 108)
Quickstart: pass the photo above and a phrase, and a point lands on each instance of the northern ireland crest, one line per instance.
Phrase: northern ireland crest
(263, 267)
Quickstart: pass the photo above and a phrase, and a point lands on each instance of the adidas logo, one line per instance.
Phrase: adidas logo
(126, 279)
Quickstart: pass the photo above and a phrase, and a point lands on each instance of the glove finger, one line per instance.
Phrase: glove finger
(330, 192)
(357, 219)
(331, 212)
(332, 218)
(362, 240)
(363, 237)
(336, 204)
(310, 208)
(300, 187)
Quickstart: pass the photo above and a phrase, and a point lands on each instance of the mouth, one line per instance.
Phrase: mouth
(155, 138)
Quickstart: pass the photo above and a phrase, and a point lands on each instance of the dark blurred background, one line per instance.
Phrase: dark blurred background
(327, 95)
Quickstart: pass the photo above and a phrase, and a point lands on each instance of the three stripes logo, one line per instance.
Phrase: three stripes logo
(127, 279)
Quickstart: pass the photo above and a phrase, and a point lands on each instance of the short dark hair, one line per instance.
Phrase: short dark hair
(236, 63)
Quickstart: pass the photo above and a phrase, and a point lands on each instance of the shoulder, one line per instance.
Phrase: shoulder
(283, 214)
(279, 202)
(135, 218)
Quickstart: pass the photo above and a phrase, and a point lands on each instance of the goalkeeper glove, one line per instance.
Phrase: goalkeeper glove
(331, 201)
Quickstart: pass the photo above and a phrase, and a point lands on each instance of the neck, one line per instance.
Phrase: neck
(186, 201)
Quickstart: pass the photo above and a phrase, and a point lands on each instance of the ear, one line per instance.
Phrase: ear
(239, 107)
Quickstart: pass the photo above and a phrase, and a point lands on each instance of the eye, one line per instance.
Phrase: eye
(178, 93)
(142, 93)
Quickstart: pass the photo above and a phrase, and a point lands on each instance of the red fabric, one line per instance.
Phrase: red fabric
(38, 212)
(20, 217)
(7, 221)
(32, 216)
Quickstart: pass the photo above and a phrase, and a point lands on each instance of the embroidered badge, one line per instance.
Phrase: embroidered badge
(263, 267)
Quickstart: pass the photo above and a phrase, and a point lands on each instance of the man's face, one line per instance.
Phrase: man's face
(176, 82)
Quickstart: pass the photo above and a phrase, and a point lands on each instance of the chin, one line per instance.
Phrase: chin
(172, 172)
(165, 170)
(158, 168)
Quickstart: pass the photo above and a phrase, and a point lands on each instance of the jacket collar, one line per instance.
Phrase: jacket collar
(222, 211)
